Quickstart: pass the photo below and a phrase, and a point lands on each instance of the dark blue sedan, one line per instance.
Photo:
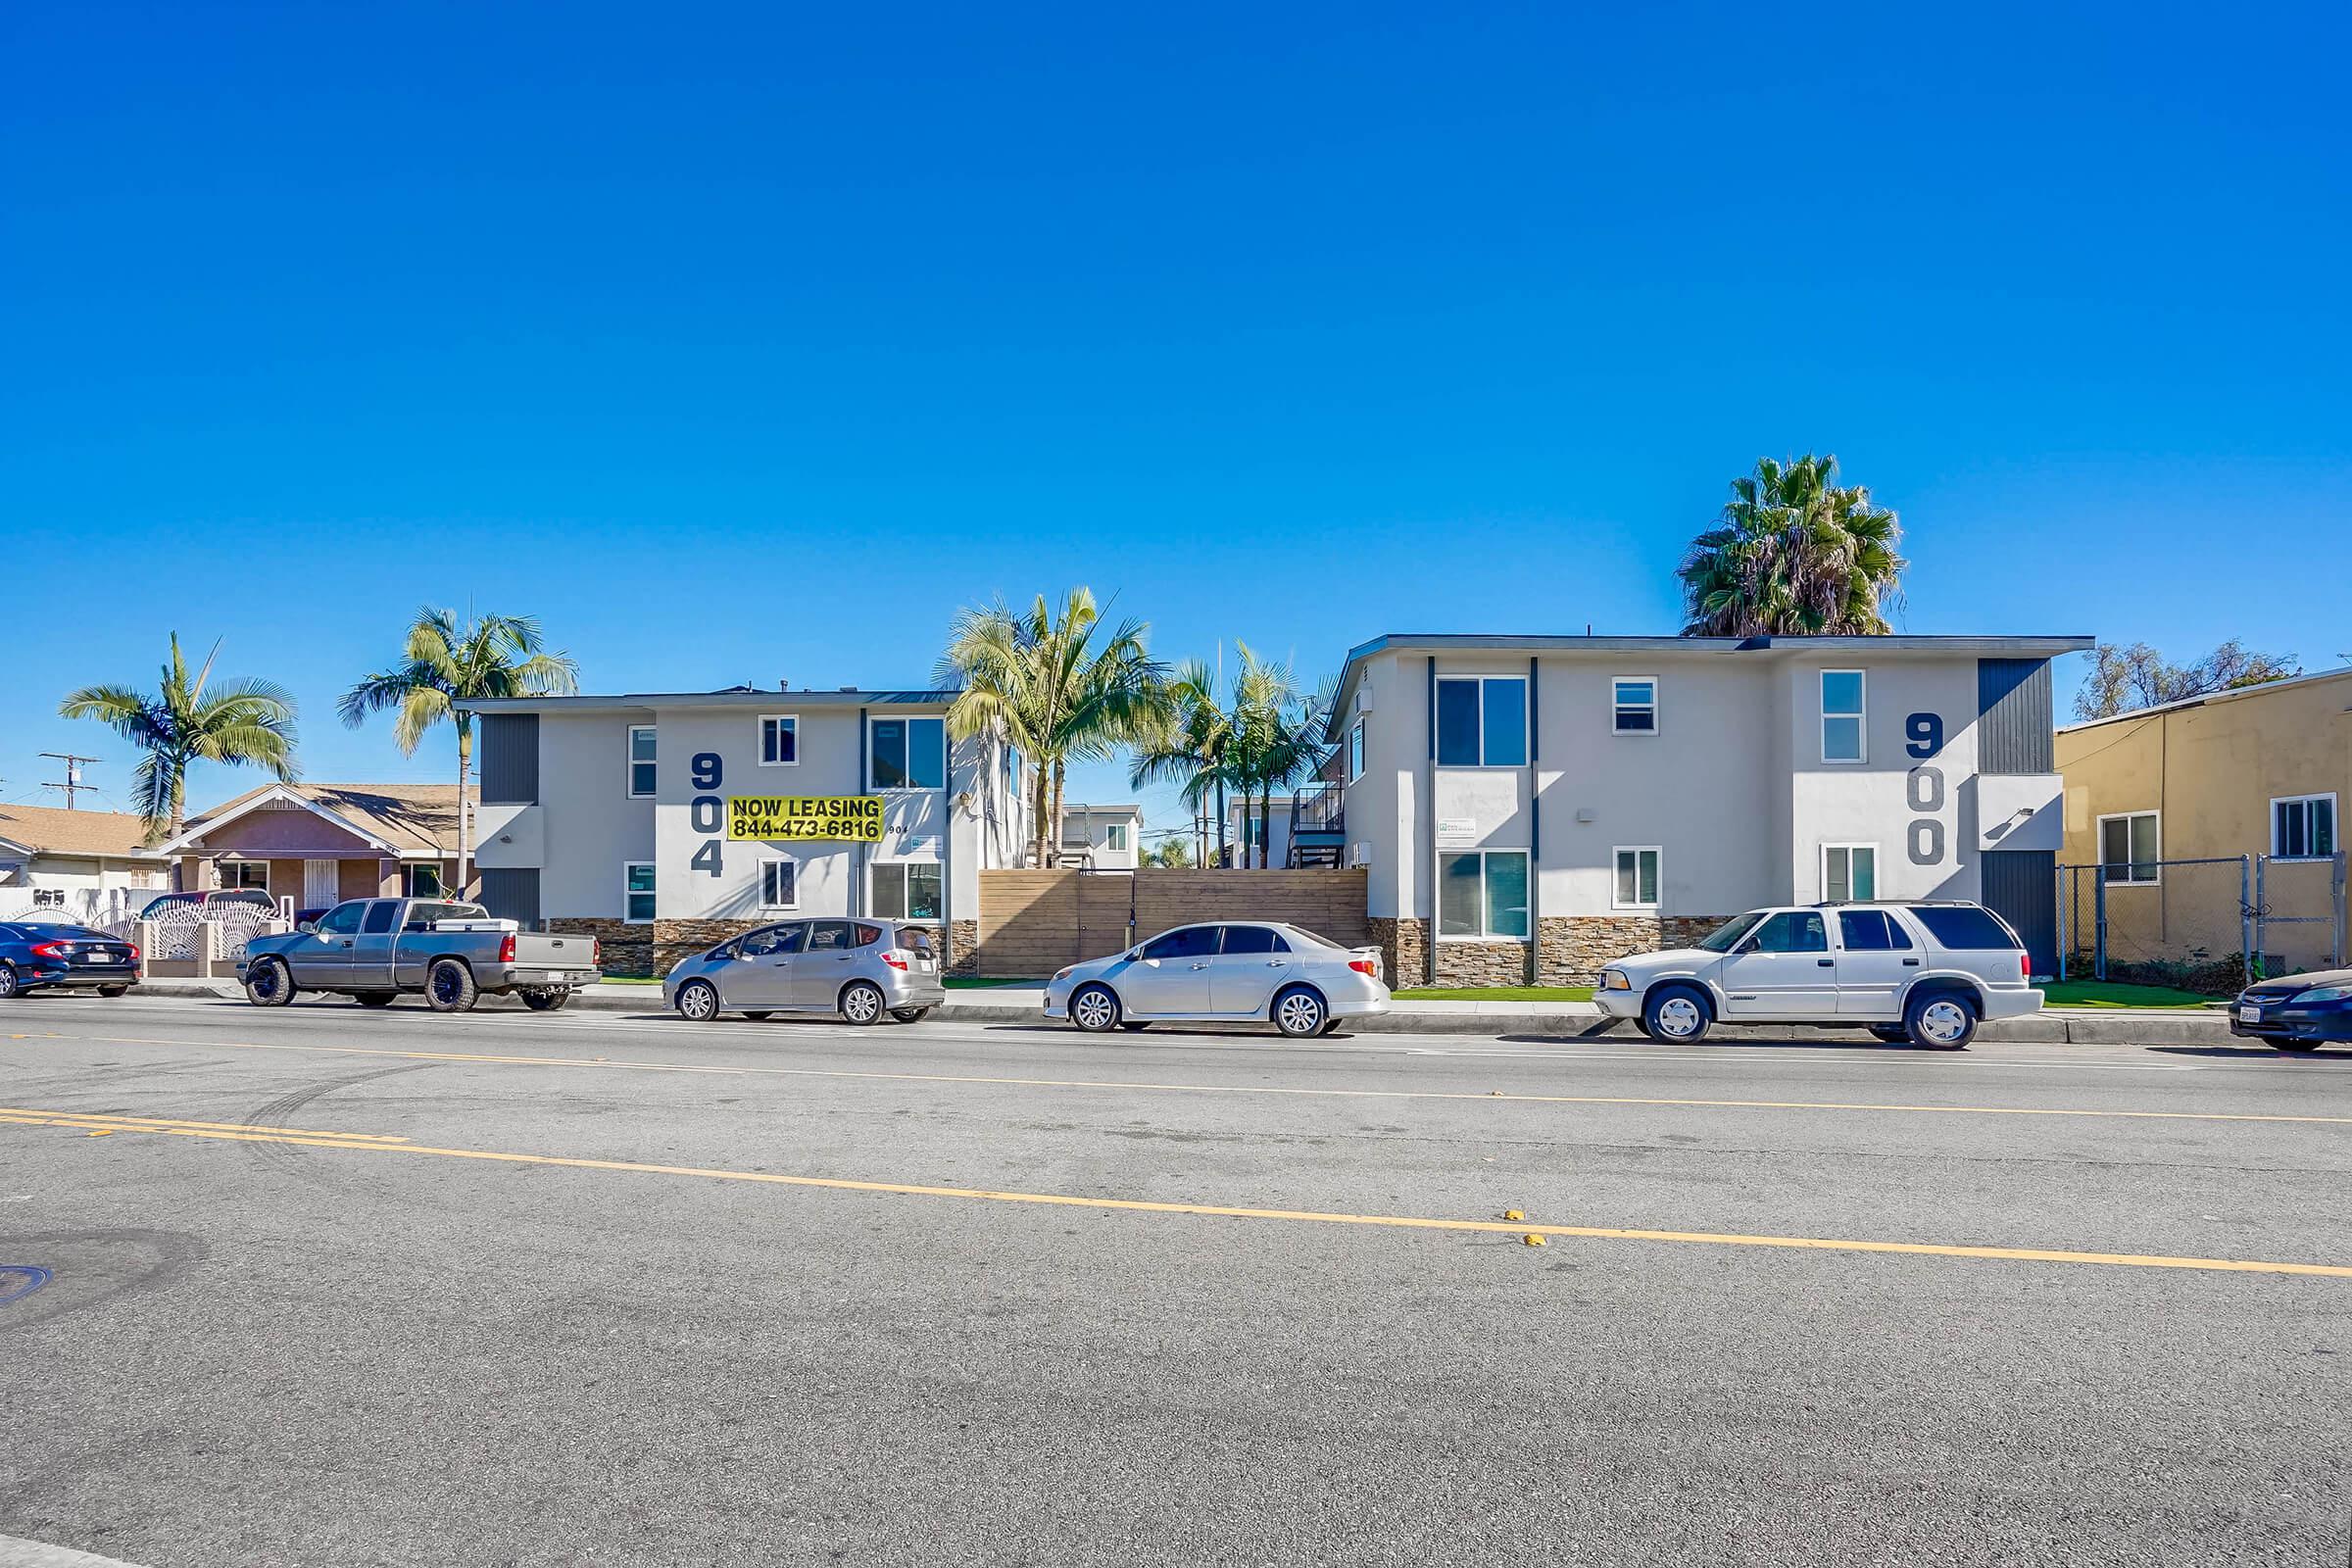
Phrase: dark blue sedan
(2300, 1012)
(35, 954)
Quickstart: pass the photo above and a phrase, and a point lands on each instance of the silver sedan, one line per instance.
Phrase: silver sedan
(1223, 972)
(860, 969)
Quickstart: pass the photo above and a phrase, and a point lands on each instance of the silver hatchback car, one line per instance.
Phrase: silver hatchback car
(860, 969)
(1229, 971)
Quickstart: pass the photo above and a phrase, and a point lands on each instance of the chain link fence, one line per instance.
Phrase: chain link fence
(2212, 925)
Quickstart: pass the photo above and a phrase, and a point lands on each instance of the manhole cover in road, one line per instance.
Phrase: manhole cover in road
(20, 1280)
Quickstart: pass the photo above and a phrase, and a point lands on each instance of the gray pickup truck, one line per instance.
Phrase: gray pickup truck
(373, 949)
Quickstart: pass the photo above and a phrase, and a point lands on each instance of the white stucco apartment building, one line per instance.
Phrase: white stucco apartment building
(1528, 808)
(663, 822)
(1103, 838)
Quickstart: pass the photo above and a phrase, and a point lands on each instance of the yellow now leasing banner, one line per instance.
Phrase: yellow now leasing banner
(856, 817)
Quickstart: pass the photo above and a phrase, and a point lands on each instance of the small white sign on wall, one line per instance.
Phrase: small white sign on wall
(1457, 830)
(919, 847)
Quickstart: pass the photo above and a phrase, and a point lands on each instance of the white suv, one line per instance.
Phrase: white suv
(1925, 972)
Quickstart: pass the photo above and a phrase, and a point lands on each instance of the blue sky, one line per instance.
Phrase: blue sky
(746, 344)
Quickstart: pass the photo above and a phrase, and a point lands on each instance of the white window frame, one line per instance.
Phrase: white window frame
(1849, 845)
(1355, 749)
(627, 892)
(768, 860)
(628, 761)
(1114, 837)
(2099, 849)
(876, 867)
(1526, 728)
(792, 720)
(2336, 824)
(1482, 934)
(1617, 707)
(1658, 874)
(1860, 716)
(407, 879)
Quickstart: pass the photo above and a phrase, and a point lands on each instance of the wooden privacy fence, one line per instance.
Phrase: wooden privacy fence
(1033, 922)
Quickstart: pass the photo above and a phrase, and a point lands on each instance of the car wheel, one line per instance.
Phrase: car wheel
(449, 987)
(1941, 1020)
(1894, 1034)
(111, 991)
(1679, 1014)
(698, 1001)
(375, 999)
(547, 999)
(911, 1015)
(9, 983)
(1302, 1012)
(1095, 1009)
(270, 984)
(761, 1016)
(861, 1003)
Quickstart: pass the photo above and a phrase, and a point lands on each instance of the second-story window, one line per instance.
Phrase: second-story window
(1633, 709)
(1842, 715)
(909, 753)
(779, 740)
(1482, 722)
(1355, 751)
(641, 759)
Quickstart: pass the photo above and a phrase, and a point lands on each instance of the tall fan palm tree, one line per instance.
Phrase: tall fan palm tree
(1792, 554)
(1061, 688)
(1278, 736)
(1192, 747)
(238, 720)
(446, 664)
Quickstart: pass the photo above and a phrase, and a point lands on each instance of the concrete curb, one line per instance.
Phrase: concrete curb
(1490, 1019)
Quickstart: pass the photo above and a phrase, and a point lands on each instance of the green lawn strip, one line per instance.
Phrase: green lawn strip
(2116, 994)
(1497, 994)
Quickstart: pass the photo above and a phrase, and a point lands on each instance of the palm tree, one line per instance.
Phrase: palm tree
(238, 721)
(1794, 554)
(445, 665)
(1192, 747)
(1278, 736)
(1059, 688)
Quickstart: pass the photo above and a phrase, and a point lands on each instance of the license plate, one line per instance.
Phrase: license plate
(93, 956)
(2249, 1015)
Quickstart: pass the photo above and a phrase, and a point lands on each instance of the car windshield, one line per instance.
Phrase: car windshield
(1727, 935)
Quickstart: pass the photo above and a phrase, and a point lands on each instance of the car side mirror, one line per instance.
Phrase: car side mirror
(310, 926)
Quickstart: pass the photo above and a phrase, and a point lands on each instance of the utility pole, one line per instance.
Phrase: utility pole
(72, 787)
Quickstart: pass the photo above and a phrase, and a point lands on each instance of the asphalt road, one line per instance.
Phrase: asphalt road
(365, 1288)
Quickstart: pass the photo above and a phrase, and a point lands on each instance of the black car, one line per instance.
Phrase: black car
(2301, 1012)
(37, 952)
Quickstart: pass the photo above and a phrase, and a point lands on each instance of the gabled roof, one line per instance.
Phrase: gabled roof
(398, 819)
(53, 830)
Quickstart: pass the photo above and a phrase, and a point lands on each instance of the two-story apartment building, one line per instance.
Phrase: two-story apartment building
(1530, 807)
(664, 822)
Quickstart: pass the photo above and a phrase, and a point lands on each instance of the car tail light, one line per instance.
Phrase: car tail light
(49, 950)
(135, 953)
(1363, 966)
(2025, 966)
(506, 949)
(596, 951)
(897, 960)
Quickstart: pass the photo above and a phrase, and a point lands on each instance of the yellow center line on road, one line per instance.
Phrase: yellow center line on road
(21, 1116)
(1489, 1097)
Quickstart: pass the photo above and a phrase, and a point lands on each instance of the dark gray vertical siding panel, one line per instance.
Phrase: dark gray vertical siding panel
(2013, 716)
(2021, 886)
(511, 892)
(509, 759)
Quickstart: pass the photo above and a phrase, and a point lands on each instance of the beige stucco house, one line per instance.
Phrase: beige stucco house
(75, 866)
(318, 843)
(2265, 771)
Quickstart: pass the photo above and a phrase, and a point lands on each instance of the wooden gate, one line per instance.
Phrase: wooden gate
(1033, 922)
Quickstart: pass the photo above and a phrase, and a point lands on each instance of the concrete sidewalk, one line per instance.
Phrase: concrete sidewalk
(1552, 1020)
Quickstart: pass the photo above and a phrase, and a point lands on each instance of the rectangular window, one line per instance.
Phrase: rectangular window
(909, 753)
(1114, 837)
(2131, 846)
(1482, 722)
(1842, 715)
(1849, 873)
(1871, 931)
(906, 889)
(2303, 827)
(1634, 704)
(1637, 885)
(779, 884)
(1355, 751)
(779, 740)
(641, 761)
(1483, 894)
(637, 892)
(243, 874)
(423, 881)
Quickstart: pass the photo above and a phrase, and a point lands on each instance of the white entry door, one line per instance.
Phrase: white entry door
(321, 883)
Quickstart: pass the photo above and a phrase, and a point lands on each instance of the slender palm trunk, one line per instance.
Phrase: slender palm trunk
(1039, 808)
(1055, 838)
(1220, 820)
(1265, 825)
